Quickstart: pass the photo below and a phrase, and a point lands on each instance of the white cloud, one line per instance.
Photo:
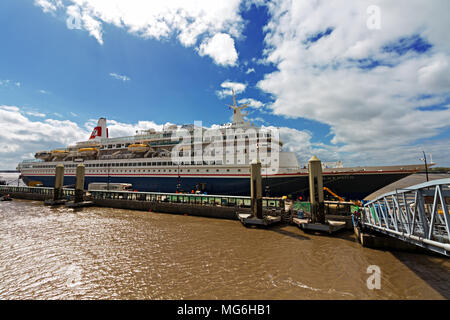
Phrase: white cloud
(188, 21)
(370, 109)
(250, 70)
(36, 114)
(252, 103)
(48, 5)
(229, 87)
(44, 92)
(119, 77)
(220, 48)
(436, 73)
(7, 83)
(25, 136)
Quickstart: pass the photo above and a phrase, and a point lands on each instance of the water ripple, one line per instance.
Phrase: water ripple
(100, 253)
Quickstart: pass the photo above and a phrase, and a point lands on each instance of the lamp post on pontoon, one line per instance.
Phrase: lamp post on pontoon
(179, 178)
(426, 167)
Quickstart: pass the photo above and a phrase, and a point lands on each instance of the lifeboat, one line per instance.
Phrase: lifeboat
(43, 155)
(73, 153)
(59, 153)
(138, 147)
(88, 151)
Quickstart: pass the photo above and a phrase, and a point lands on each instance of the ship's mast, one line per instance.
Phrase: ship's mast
(238, 117)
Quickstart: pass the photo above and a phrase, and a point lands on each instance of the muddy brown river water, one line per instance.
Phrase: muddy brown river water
(101, 253)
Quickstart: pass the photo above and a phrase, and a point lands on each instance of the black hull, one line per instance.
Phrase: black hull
(350, 186)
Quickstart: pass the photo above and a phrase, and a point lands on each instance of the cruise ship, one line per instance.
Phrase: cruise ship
(195, 159)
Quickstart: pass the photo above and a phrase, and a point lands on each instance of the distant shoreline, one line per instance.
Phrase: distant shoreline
(9, 171)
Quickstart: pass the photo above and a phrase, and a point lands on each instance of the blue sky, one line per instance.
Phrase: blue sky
(335, 86)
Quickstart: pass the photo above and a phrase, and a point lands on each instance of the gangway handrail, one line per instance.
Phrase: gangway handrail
(428, 184)
(418, 214)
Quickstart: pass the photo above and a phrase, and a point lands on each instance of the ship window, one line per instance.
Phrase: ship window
(239, 170)
(159, 170)
(188, 170)
(228, 170)
(110, 146)
(158, 163)
(170, 170)
(198, 170)
(118, 145)
(121, 164)
(164, 163)
(139, 164)
(217, 170)
(207, 170)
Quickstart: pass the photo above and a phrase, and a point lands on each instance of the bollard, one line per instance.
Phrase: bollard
(256, 188)
(256, 217)
(59, 181)
(316, 190)
(79, 183)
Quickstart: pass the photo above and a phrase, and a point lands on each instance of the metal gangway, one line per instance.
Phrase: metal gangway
(418, 215)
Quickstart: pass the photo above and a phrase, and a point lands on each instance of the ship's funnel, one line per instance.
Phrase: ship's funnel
(100, 131)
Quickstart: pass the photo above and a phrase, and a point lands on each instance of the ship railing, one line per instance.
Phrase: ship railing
(31, 160)
(418, 214)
